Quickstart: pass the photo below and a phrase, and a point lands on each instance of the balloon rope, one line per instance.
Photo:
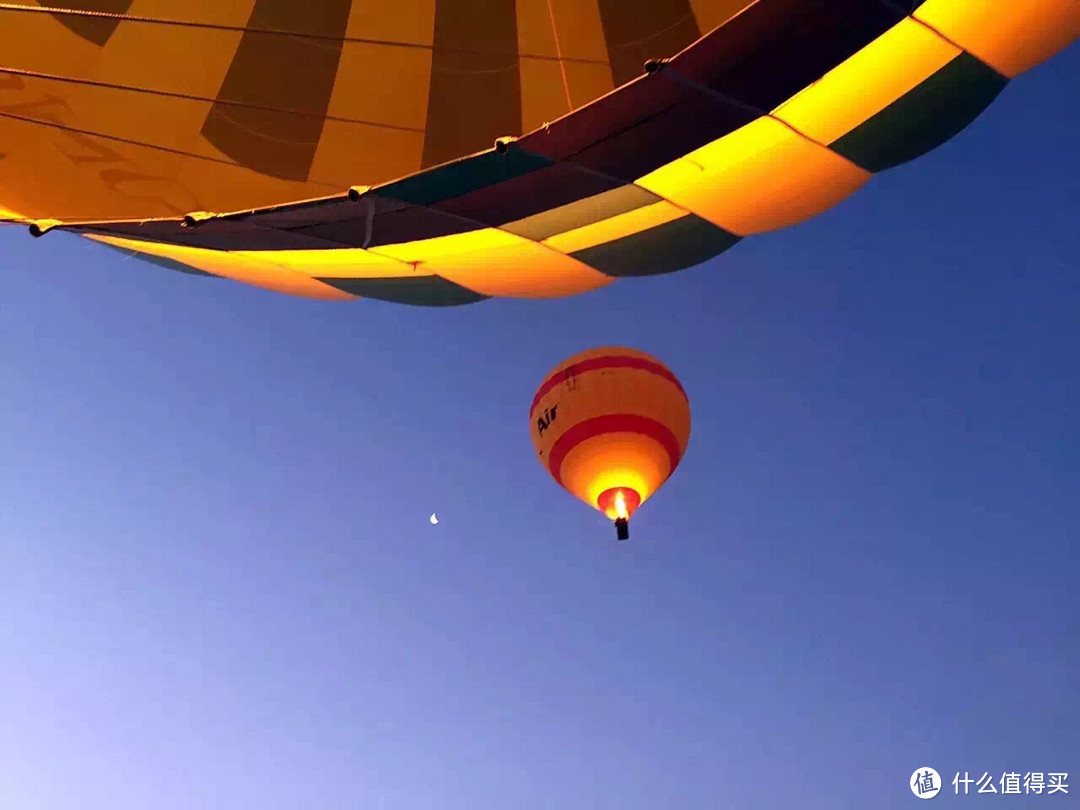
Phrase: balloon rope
(13, 7)
(127, 88)
(558, 54)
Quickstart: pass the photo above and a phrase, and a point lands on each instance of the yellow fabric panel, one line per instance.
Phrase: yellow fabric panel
(543, 93)
(24, 181)
(580, 30)
(148, 118)
(38, 42)
(588, 82)
(535, 33)
(1011, 36)
(70, 174)
(176, 58)
(46, 162)
(244, 269)
(761, 177)
(157, 58)
(382, 84)
(343, 263)
(615, 460)
(405, 21)
(544, 88)
(563, 58)
(867, 82)
(206, 12)
(58, 170)
(577, 214)
(608, 230)
(350, 151)
(583, 48)
(138, 55)
(236, 186)
(496, 263)
(713, 13)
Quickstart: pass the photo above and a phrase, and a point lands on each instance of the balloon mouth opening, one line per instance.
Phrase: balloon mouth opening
(618, 503)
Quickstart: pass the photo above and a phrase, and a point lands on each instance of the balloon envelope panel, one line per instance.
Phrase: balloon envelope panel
(226, 104)
(609, 419)
(339, 149)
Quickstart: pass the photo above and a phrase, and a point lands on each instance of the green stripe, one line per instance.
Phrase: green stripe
(460, 177)
(925, 117)
(424, 291)
(582, 212)
(168, 264)
(675, 245)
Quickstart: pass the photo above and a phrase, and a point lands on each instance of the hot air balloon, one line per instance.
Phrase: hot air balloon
(442, 152)
(611, 425)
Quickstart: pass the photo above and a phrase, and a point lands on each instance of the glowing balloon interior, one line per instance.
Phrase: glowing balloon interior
(611, 425)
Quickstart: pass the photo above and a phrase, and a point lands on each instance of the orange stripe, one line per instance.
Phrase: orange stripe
(612, 423)
(596, 363)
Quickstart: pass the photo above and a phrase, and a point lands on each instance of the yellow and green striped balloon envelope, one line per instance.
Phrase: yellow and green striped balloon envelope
(441, 152)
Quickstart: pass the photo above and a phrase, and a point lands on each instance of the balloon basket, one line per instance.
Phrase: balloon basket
(622, 528)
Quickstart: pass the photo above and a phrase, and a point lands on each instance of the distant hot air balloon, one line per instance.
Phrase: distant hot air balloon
(443, 152)
(610, 425)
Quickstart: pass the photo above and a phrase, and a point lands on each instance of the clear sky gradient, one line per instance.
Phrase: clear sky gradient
(219, 588)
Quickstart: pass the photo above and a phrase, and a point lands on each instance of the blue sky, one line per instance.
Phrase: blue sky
(219, 587)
